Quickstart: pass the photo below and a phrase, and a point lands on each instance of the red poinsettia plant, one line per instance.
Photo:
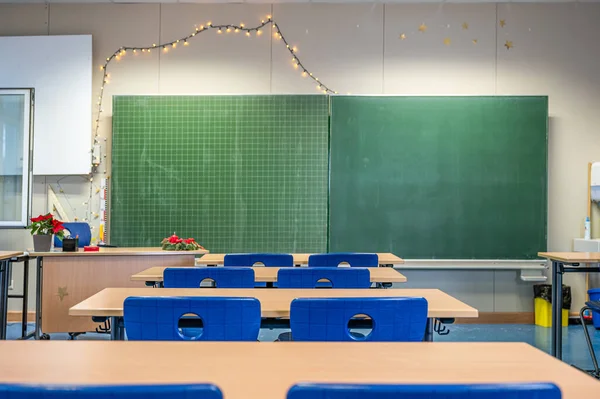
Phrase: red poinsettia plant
(175, 243)
(47, 225)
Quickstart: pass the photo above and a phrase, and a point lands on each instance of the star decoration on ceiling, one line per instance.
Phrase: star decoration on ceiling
(474, 41)
(465, 26)
(422, 28)
(447, 41)
(508, 44)
(402, 36)
(502, 23)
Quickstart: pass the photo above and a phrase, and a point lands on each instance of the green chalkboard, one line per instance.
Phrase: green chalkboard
(439, 177)
(238, 173)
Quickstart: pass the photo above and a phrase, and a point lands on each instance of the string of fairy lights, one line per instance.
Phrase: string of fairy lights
(185, 41)
(121, 52)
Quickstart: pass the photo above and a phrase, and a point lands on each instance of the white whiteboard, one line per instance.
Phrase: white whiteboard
(59, 68)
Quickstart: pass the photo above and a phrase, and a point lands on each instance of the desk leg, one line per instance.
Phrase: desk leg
(116, 328)
(557, 277)
(24, 300)
(4, 271)
(38, 299)
(269, 284)
(428, 330)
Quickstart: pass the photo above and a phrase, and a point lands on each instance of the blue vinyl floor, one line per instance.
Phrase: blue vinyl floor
(574, 347)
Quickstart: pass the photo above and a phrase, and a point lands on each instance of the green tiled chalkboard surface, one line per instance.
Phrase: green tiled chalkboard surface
(238, 173)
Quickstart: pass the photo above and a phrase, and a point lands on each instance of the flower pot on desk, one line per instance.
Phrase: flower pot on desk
(42, 242)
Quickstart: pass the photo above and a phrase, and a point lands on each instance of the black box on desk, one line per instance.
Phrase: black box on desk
(70, 244)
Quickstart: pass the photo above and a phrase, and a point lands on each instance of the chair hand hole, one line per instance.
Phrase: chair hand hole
(208, 283)
(190, 326)
(360, 327)
(324, 283)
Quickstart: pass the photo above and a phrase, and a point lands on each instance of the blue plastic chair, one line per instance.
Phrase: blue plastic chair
(334, 259)
(450, 391)
(80, 229)
(184, 391)
(326, 319)
(223, 318)
(306, 277)
(266, 259)
(224, 277)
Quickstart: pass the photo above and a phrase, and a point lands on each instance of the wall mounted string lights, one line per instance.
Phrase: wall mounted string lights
(185, 41)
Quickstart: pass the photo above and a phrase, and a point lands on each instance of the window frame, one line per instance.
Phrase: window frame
(27, 180)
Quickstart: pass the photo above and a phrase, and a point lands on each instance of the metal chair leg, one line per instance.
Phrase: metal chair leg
(589, 341)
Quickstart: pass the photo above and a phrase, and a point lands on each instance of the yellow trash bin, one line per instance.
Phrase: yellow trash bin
(543, 313)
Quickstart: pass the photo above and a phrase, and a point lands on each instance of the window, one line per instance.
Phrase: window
(15, 128)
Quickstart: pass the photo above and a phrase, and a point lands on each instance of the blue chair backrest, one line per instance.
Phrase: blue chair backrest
(183, 391)
(80, 229)
(326, 319)
(334, 259)
(223, 318)
(307, 277)
(269, 260)
(224, 277)
(450, 391)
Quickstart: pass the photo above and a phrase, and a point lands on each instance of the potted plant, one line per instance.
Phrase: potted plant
(43, 228)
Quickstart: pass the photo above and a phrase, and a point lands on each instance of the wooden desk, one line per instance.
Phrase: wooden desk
(300, 259)
(70, 277)
(5, 257)
(566, 262)
(274, 303)
(269, 275)
(266, 370)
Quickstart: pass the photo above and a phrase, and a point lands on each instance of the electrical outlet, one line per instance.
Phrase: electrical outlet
(12, 285)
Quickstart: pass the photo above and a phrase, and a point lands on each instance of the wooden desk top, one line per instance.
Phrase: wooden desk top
(9, 254)
(269, 274)
(572, 257)
(299, 259)
(266, 370)
(274, 302)
(124, 251)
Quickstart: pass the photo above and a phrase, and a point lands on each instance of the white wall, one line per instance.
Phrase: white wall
(356, 48)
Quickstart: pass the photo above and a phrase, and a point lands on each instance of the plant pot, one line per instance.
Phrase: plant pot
(42, 242)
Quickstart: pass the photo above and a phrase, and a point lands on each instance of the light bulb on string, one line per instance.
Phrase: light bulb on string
(165, 49)
(268, 17)
(294, 49)
(185, 43)
(304, 74)
(242, 25)
(134, 51)
(258, 32)
(228, 29)
(209, 23)
(102, 67)
(174, 45)
(236, 30)
(219, 31)
(248, 33)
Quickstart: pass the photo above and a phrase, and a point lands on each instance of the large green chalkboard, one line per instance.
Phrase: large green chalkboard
(439, 177)
(238, 173)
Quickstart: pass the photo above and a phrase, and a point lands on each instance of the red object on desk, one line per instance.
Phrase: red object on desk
(91, 249)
